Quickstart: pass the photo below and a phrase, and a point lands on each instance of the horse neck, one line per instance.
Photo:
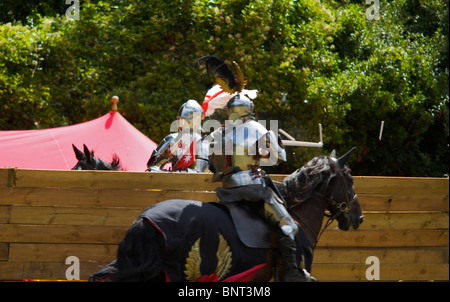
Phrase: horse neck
(309, 215)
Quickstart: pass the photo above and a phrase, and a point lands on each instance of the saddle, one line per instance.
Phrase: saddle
(244, 205)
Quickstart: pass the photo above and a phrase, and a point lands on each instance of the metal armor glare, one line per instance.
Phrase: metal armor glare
(251, 138)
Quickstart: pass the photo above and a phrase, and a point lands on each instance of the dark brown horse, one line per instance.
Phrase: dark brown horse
(87, 161)
(183, 240)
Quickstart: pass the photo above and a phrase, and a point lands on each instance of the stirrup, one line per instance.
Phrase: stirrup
(300, 275)
(308, 276)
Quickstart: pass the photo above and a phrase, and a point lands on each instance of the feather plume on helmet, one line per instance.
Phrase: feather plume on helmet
(228, 85)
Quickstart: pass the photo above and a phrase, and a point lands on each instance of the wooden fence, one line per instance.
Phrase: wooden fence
(49, 215)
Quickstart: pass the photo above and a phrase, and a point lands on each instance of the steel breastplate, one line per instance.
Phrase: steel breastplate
(174, 146)
(244, 148)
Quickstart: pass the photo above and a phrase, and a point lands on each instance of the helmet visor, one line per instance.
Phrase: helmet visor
(239, 112)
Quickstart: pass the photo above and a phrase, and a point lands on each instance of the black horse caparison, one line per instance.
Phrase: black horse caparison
(186, 240)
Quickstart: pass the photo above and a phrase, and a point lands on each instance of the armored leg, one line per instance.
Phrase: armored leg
(275, 212)
(277, 215)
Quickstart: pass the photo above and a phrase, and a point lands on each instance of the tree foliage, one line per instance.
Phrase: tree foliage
(312, 62)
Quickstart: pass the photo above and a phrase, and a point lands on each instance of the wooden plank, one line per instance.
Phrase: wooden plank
(404, 220)
(46, 252)
(5, 176)
(24, 270)
(202, 181)
(125, 216)
(395, 185)
(74, 216)
(422, 220)
(388, 272)
(141, 198)
(407, 202)
(114, 234)
(395, 255)
(4, 251)
(390, 188)
(4, 214)
(384, 238)
(58, 252)
(401, 185)
(114, 180)
(48, 196)
(61, 233)
(95, 197)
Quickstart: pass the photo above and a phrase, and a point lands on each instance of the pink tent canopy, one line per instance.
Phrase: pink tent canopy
(52, 148)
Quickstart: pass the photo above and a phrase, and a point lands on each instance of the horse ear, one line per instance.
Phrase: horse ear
(78, 154)
(89, 155)
(333, 153)
(344, 158)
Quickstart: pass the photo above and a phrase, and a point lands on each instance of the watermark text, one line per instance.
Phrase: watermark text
(373, 271)
(73, 271)
(73, 11)
(373, 11)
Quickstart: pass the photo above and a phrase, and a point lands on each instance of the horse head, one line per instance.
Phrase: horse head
(343, 201)
(87, 161)
(324, 183)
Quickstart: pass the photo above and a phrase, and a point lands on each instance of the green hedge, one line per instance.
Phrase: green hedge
(312, 61)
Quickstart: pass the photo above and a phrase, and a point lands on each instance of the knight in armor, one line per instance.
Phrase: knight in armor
(245, 145)
(184, 150)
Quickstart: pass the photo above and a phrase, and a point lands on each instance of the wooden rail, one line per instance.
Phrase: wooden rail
(49, 215)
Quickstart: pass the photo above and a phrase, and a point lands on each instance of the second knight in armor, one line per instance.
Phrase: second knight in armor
(184, 150)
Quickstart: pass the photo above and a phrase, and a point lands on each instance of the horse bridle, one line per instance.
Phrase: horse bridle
(343, 207)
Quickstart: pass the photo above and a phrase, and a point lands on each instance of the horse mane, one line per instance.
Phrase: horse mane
(300, 185)
(114, 165)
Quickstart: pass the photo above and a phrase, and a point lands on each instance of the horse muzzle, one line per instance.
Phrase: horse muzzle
(346, 220)
(357, 222)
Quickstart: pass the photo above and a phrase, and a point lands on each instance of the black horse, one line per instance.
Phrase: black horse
(87, 161)
(185, 240)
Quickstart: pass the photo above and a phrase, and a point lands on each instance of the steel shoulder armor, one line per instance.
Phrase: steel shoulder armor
(239, 149)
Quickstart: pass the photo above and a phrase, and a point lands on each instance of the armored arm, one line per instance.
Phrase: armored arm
(161, 154)
(202, 155)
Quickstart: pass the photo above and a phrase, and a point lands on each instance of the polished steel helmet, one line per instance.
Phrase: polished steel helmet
(188, 109)
(240, 107)
(192, 112)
